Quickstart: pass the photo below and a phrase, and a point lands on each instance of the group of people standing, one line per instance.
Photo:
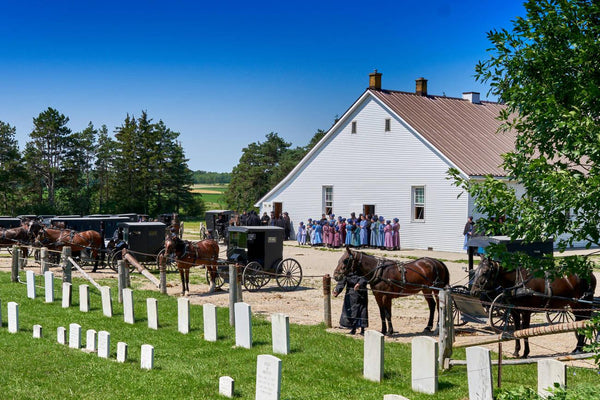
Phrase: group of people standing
(361, 232)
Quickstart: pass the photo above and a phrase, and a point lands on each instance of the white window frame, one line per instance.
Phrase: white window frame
(327, 199)
(353, 127)
(417, 203)
(388, 125)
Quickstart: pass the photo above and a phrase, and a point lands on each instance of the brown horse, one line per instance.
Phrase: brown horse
(189, 254)
(56, 239)
(526, 291)
(390, 279)
(15, 236)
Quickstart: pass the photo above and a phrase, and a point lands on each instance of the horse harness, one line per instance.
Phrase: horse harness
(382, 264)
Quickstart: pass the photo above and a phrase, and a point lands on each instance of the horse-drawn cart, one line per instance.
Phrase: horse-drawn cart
(506, 298)
(217, 224)
(259, 249)
(144, 240)
(493, 308)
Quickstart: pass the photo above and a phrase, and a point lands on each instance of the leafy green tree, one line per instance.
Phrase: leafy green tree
(250, 179)
(45, 152)
(76, 179)
(12, 171)
(104, 172)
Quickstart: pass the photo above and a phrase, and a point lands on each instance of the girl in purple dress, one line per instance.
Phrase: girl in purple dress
(337, 237)
(396, 234)
(326, 234)
(388, 241)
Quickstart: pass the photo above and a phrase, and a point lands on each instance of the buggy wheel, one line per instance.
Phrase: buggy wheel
(170, 262)
(559, 317)
(215, 235)
(289, 274)
(500, 317)
(456, 314)
(113, 260)
(220, 279)
(254, 277)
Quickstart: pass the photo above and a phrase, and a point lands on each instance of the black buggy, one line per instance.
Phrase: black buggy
(260, 250)
(144, 240)
(217, 224)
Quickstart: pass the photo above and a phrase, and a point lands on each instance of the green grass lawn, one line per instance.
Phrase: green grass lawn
(321, 365)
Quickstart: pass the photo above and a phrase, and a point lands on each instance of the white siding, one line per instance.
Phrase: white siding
(380, 168)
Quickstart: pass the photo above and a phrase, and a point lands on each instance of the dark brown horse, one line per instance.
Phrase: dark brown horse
(390, 279)
(15, 236)
(526, 292)
(189, 254)
(56, 239)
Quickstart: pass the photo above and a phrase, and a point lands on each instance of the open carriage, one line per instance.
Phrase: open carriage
(260, 250)
(494, 308)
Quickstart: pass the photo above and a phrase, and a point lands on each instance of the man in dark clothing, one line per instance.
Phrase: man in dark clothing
(244, 219)
(253, 219)
(355, 313)
(287, 225)
(265, 219)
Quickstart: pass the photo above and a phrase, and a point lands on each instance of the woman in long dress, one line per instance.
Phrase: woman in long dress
(388, 233)
(349, 229)
(374, 230)
(396, 234)
(364, 237)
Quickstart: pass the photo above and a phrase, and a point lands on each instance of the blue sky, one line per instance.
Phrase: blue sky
(226, 73)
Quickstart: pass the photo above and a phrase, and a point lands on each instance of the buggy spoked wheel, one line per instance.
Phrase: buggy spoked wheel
(456, 314)
(170, 262)
(254, 276)
(559, 317)
(220, 279)
(289, 274)
(113, 260)
(500, 317)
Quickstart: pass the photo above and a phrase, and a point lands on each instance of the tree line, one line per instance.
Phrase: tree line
(142, 168)
(212, 177)
(261, 166)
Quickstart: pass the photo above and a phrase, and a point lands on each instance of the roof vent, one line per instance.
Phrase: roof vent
(375, 80)
(421, 89)
(473, 97)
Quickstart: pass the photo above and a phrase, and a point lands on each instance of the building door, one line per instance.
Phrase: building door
(278, 209)
(369, 209)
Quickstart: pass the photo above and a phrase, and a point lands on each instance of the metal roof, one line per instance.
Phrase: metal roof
(464, 132)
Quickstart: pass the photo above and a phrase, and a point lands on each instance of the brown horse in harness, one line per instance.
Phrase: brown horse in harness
(15, 236)
(526, 293)
(56, 239)
(390, 279)
(189, 254)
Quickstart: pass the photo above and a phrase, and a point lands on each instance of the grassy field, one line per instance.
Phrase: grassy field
(321, 365)
(212, 195)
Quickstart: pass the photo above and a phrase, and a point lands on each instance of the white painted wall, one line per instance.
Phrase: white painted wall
(377, 167)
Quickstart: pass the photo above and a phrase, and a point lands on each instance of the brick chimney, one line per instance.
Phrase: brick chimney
(421, 89)
(473, 97)
(375, 80)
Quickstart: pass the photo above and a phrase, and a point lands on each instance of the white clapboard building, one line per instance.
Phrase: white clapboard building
(389, 154)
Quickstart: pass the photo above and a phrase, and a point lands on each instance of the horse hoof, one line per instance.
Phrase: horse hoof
(427, 329)
(515, 354)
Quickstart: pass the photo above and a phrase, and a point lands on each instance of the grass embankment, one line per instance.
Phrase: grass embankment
(321, 365)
